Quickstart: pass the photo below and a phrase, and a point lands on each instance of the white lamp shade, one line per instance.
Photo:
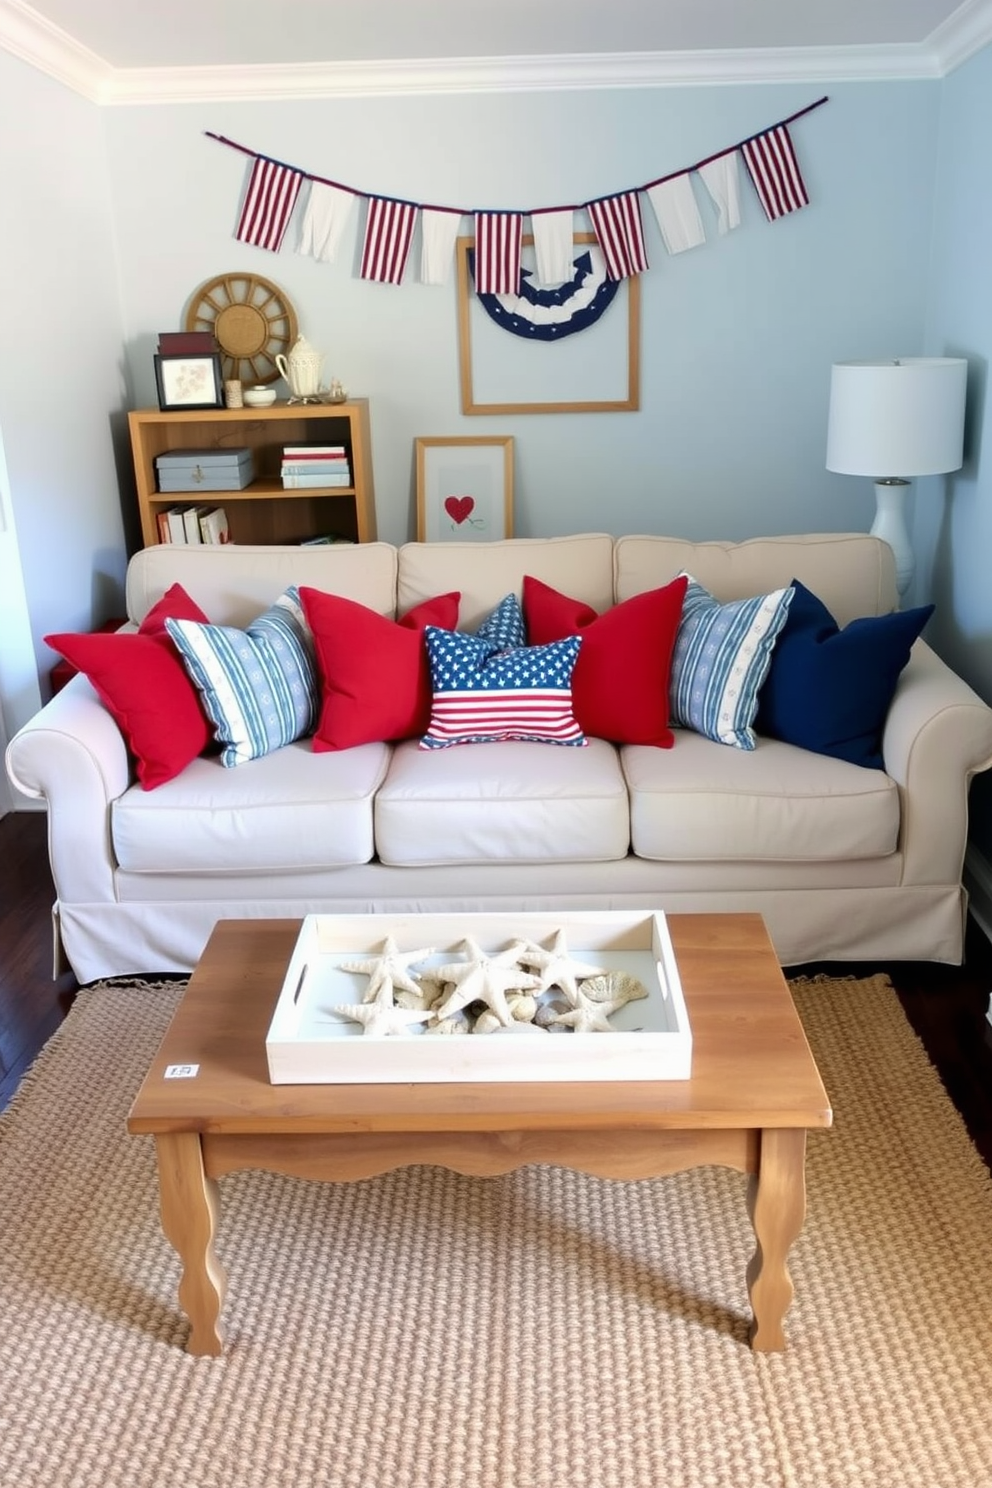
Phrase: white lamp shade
(897, 419)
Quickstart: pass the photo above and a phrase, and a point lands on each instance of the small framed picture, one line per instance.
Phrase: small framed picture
(189, 381)
(464, 488)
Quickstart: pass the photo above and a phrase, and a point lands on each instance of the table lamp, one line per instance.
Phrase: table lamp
(892, 421)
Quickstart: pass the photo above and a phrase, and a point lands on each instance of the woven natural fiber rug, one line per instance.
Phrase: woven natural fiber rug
(532, 1331)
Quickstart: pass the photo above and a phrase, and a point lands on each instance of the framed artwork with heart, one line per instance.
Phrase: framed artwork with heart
(464, 488)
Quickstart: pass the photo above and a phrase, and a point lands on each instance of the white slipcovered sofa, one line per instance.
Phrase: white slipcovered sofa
(843, 862)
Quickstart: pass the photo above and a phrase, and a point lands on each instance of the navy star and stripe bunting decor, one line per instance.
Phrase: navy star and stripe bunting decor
(550, 314)
(273, 188)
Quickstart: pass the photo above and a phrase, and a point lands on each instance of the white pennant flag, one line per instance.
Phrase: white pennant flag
(678, 216)
(554, 246)
(326, 216)
(438, 230)
(722, 180)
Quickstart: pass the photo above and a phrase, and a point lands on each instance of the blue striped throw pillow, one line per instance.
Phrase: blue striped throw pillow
(259, 685)
(721, 657)
(481, 697)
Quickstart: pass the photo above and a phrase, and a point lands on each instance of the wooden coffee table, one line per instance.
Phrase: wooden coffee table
(753, 1094)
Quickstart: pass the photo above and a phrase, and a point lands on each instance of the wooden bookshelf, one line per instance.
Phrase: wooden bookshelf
(264, 512)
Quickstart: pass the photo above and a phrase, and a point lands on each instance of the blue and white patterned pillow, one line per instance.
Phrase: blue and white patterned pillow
(721, 657)
(481, 696)
(259, 685)
(503, 628)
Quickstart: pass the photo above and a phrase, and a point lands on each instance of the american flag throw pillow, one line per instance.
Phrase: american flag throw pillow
(482, 697)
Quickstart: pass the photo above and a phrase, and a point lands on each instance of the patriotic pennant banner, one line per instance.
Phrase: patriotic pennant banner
(273, 189)
(388, 235)
(616, 222)
(774, 170)
(498, 242)
(268, 205)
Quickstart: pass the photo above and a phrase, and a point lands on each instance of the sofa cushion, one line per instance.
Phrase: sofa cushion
(143, 684)
(620, 684)
(259, 685)
(829, 689)
(776, 803)
(481, 695)
(721, 658)
(375, 683)
(512, 802)
(852, 572)
(581, 564)
(289, 810)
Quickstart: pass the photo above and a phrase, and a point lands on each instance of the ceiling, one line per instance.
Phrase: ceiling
(150, 51)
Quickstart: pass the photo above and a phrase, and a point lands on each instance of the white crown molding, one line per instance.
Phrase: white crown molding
(962, 35)
(29, 36)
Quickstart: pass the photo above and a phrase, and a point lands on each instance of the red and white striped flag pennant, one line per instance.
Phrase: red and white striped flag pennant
(268, 205)
(617, 224)
(388, 234)
(774, 170)
(498, 237)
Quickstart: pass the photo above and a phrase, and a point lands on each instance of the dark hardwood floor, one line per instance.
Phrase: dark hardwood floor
(946, 1005)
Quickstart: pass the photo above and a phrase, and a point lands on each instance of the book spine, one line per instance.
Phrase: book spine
(191, 523)
(313, 449)
(314, 482)
(315, 467)
(177, 528)
(162, 523)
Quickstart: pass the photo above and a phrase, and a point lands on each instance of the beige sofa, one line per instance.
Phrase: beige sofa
(843, 862)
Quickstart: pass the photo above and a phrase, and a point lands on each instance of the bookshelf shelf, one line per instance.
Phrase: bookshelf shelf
(264, 512)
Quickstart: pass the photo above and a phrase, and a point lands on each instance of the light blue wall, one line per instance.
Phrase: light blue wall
(61, 367)
(737, 336)
(954, 527)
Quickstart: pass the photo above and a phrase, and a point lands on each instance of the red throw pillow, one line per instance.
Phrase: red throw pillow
(144, 686)
(620, 682)
(375, 679)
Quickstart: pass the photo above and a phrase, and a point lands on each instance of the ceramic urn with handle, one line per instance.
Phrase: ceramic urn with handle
(301, 368)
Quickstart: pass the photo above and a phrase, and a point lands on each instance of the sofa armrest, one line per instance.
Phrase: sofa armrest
(938, 734)
(72, 755)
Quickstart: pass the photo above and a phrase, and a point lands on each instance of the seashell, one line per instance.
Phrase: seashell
(486, 1022)
(614, 986)
(457, 1023)
(522, 1008)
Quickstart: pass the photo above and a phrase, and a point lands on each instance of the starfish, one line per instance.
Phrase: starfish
(389, 969)
(591, 1017)
(484, 978)
(556, 968)
(379, 1019)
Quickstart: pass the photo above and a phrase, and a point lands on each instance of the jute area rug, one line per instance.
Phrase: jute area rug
(533, 1331)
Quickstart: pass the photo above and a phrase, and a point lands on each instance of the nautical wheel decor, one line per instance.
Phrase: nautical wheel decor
(252, 321)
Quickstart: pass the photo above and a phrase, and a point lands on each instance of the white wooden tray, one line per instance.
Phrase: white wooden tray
(308, 1043)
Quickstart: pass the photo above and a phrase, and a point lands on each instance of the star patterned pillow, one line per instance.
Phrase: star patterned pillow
(503, 628)
(482, 697)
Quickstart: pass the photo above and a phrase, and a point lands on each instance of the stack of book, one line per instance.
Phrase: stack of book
(193, 524)
(308, 466)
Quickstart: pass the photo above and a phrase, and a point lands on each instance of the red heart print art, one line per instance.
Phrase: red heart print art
(459, 508)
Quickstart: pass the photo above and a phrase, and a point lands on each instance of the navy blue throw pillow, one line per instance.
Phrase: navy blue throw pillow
(829, 689)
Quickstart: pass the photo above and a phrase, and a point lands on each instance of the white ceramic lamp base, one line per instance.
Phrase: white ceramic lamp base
(890, 525)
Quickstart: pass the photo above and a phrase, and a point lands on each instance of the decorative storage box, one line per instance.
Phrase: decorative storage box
(205, 469)
(308, 1044)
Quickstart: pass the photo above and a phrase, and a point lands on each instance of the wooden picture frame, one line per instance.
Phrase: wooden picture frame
(629, 401)
(464, 488)
(189, 381)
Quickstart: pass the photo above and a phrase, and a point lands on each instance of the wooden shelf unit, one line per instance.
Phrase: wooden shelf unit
(264, 512)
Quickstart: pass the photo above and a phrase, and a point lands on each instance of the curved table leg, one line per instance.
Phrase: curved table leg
(190, 1209)
(777, 1206)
